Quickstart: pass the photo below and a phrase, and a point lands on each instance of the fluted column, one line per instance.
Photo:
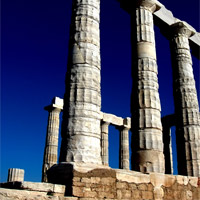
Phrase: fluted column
(124, 148)
(104, 143)
(186, 102)
(51, 146)
(147, 143)
(15, 174)
(81, 133)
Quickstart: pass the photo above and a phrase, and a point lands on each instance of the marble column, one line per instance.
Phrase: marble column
(124, 148)
(15, 174)
(147, 143)
(81, 134)
(185, 100)
(104, 143)
(51, 146)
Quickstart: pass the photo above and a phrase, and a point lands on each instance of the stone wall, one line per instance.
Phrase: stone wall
(111, 184)
(120, 184)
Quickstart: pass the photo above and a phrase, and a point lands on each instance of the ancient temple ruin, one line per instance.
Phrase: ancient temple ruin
(83, 168)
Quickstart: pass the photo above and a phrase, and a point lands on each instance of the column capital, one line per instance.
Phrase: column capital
(104, 126)
(182, 28)
(122, 128)
(53, 107)
(148, 4)
(151, 5)
(57, 105)
(105, 123)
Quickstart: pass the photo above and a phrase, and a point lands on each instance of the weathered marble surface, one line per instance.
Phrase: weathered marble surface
(147, 143)
(15, 174)
(12, 194)
(185, 100)
(51, 145)
(82, 101)
(104, 143)
(124, 148)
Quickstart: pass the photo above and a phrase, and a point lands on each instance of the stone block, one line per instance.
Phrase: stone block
(90, 194)
(106, 195)
(43, 187)
(194, 181)
(58, 102)
(79, 184)
(8, 194)
(77, 191)
(147, 195)
(132, 186)
(95, 180)
(112, 119)
(157, 180)
(108, 181)
(126, 194)
(142, 187)
(76, 179)
(182, 180)
(86, 180)
(158, 193)
(119, 194)
(136, 194)
(121, 185)
(169, 180)
(132, 177)
(37, 187)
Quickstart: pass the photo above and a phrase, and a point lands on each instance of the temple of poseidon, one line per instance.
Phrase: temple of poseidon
(83, 171)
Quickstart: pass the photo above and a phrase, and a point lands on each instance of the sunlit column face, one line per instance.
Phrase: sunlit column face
(186, 102)
(81, 115)
(146, 118)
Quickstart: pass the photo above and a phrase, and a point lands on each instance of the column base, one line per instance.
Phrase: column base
(147, 161)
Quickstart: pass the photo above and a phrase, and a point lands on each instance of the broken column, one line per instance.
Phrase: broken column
(81, 133)
(15, 174)
(147, 143)
(51, 146)
(185, 100)
(104, 143)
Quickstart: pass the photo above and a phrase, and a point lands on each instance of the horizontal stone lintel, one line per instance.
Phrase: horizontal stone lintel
(105, 117)
(164, 19)
(115, 120)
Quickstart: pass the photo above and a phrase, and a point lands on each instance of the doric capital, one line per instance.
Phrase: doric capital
(182, 28)
(122, 128)
(57, 105)
(104, 126)
(150, 5)
(53, 108)
(129, 5)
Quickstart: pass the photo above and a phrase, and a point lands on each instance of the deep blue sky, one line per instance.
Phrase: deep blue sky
(34, 45)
